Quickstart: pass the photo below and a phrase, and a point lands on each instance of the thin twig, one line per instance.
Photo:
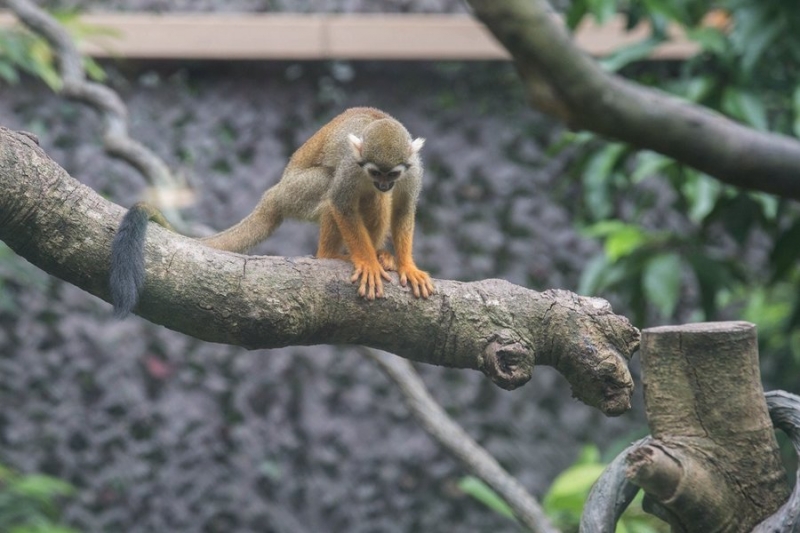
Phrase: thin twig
(453, 437)
(116, 140)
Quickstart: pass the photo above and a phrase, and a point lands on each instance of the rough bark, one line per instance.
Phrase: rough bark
(494, 326)
(712, 464)
(563, 81)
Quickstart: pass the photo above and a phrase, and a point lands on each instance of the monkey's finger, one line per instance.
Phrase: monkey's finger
(429, 288)
(366, 288)
(356, 276)
(403, 279)
(385, 275)
(425, 289)
(374, 286)
(415, 287)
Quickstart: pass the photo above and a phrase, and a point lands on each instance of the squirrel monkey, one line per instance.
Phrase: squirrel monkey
(358, 177)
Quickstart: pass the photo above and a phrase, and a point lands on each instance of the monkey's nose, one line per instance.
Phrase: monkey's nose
(383, 186)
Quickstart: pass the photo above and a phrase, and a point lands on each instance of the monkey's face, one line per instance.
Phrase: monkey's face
(384, 179)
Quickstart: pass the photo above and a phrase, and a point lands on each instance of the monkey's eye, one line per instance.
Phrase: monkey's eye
(374, 172)
(394, 174)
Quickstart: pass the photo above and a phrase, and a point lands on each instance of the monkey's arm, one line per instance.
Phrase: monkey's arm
(126, 270)
(368, 270)
(403, 237)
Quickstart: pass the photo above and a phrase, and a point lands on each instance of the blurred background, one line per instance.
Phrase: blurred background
(160, 432)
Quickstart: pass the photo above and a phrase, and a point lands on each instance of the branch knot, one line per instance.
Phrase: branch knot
(507, 362)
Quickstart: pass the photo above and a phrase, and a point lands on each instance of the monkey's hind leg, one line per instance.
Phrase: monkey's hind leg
(387, 261)
(331, 244)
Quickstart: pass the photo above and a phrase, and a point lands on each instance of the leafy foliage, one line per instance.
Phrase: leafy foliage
(28, 503)
(732, 253)
(22, 51)
(484, 494)
(564, 502)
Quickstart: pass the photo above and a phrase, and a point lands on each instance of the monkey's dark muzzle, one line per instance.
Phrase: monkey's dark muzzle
(383, 186)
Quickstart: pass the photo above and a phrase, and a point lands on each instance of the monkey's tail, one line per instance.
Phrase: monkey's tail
(126, 272)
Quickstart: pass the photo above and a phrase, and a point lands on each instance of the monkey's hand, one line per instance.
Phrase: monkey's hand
(370, 275)
(421, 284)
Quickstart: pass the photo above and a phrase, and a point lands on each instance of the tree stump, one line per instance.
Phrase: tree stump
(712, 464)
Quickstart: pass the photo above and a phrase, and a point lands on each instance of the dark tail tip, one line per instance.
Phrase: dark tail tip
(126, 272)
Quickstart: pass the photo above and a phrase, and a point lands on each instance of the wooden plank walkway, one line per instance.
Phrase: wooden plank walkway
(256, 36)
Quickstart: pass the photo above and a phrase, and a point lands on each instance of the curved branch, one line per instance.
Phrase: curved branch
(565, 82)
(784, 410)
(502, 329)
(611, 494)
(450, 435)
(116, 140)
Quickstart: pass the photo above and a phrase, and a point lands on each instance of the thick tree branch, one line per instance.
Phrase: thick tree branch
(562, 80)
(65, 228)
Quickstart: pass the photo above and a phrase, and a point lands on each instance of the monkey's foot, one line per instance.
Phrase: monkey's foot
(421, 284)
(386, 259)
(370, 275)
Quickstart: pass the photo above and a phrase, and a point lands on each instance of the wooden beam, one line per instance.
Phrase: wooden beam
(258, 36)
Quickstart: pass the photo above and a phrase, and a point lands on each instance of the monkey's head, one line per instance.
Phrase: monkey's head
(385, 151)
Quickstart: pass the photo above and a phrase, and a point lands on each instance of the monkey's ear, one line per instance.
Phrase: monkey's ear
(417, 144)
(356, 144)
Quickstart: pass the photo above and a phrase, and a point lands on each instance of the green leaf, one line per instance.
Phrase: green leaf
(701, 192)
(602, 10)
(624, 242)
(629, 54)
(94, 70)
(709, 39)
(597, 176)
(45, 526)
(758, 38)
(575, 14)
(711, 276)
(649, 163)
(746, 107)
(589, 455)
(669, 9)
(604, 228)
(569, 490)
(764, 311)
(769, 204)
(602, 162)
(8, 72)
(785, 251)
(570, 138)
(753, 110)
(661, 282)
(621, 238)
(41, 487)
(592, 277)
(484, 494)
